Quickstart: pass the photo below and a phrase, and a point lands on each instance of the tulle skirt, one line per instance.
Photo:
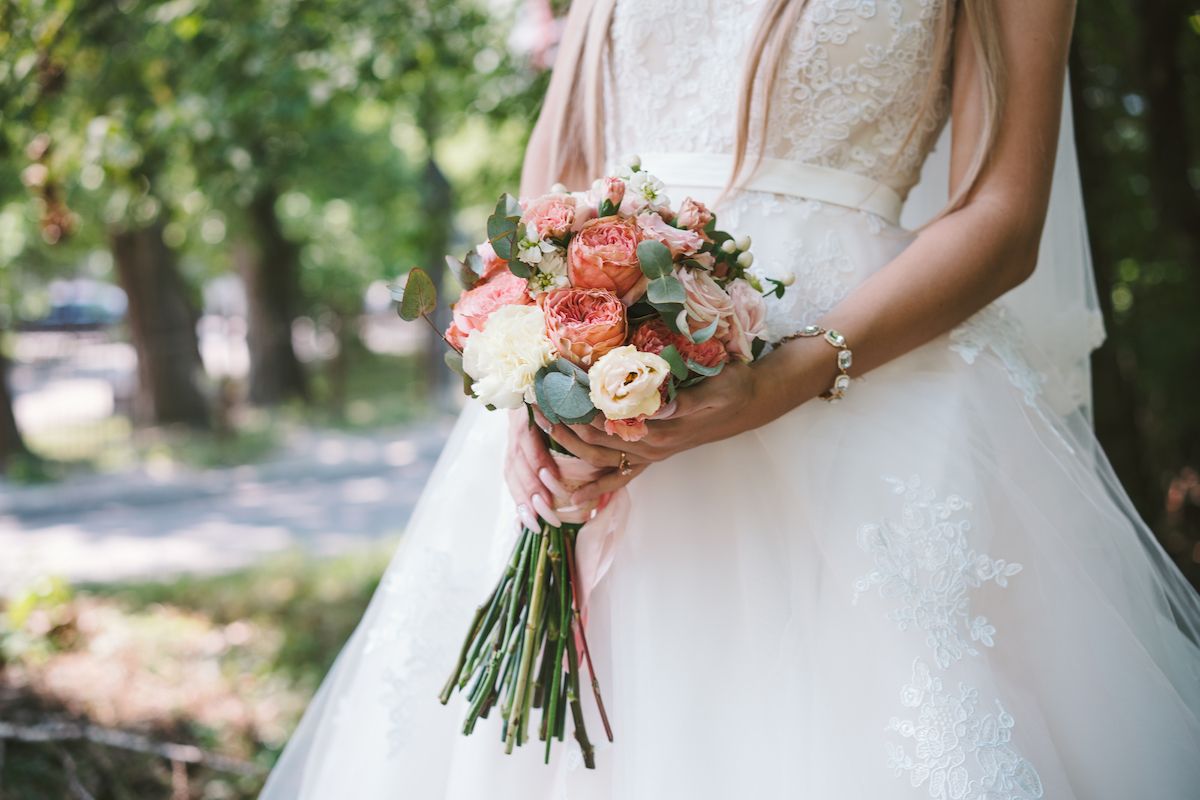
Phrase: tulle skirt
(932, 589)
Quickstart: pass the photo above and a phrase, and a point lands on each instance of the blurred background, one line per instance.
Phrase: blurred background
(212, 424)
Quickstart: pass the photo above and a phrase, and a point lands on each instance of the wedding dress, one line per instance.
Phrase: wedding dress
(933, 589)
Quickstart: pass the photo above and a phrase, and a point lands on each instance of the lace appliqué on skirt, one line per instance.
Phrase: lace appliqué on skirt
(962, 752)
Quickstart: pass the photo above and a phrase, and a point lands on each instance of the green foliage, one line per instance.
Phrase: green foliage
(418, 297)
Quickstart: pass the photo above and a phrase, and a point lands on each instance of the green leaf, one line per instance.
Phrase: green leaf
(679, 367)
(418, 297)
(502, 226)
(567, 397)
(665, 290)
(704, 334)
(655, 259)
(756, 348)
(671, 312)
(519, 268)
(707, 372)
(454, 361)
(539, 389)
(570, 368)
(462, 272)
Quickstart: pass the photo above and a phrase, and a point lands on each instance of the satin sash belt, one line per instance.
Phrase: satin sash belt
(778, 176)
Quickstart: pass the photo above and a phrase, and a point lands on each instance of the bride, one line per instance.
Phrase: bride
(934, 588)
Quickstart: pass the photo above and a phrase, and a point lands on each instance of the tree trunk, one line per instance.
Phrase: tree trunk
(11, 443)
(270, 268)
(162, 325)
(437, 203)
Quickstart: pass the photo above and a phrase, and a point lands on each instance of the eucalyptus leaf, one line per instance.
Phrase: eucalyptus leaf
(566, 396)
(454, 361)
(462, 272)
(704, 334)
(570, 368)
(655, 259)
(419, 296)
(539, 389)
(671, 355)
(665, 289)
(707, 372)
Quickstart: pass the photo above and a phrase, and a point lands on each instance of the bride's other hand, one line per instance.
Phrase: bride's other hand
(532, 476)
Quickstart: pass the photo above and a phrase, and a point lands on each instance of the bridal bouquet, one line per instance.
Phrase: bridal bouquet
(596, 308)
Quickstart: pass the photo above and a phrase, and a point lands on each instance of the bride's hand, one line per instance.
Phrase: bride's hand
(532, 476)
(714, 409)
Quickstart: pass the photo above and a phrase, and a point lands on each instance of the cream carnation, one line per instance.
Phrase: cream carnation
(625, 381)
(503, 358)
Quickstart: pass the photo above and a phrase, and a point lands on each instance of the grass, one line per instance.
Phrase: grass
(225, 663)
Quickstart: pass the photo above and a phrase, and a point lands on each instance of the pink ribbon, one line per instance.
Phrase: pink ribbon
(603, 524)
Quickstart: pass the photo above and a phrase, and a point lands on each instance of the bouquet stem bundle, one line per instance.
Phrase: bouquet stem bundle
(522, 651)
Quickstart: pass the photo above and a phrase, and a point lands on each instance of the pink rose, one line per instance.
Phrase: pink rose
(631, 430)
(550, 216)
(473, 308)
(654, 337)
(693, 215)
(681, 242)
(706, 301)
(749, 319)
(583, 324)
(493, 264)
(614, 191)
(603, 255)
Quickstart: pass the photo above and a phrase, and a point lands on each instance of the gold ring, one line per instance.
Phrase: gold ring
(624, 468)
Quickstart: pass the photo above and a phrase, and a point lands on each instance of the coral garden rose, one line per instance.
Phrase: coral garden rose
(624, 383)
(654, 337)
(706, 301)
(504, 358)
(680, 241)
(583, 324)
(749, 319)
(475, 306)
(693, 215)
(550, 216)
(603, 255)
(611, 189)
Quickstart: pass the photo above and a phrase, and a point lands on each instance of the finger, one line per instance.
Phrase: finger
(535, 452)
(552, 483)
(592, 454)
(545, 511)
(592, 436)
(609, 482)
(527, 518)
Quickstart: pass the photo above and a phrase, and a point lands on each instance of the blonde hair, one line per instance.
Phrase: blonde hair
(573, 116)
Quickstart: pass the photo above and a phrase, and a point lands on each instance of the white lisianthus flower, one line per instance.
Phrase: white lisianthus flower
(531, 251)
(648, 191)
(503, 358)
(551, 273)
(624, 383)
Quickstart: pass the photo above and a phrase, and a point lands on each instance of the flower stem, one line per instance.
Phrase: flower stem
(535, 610)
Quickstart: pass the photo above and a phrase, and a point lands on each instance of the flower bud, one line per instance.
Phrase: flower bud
(633, 161)
(558, 188)
(728, 246)
(743, 243)
(745, 259)
(788, 279)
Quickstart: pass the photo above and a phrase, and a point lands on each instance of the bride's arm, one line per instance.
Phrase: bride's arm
(953, 268)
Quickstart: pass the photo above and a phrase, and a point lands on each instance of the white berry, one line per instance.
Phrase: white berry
(745, 259)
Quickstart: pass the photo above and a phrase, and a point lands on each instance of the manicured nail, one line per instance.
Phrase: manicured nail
(546, 511)
(552, 483)
(529, 520)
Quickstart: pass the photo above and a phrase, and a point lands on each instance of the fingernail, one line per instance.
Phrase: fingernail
(527, 518)
(552, 483)
(546, 511)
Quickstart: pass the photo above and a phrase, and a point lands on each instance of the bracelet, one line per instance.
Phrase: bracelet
(844, 358)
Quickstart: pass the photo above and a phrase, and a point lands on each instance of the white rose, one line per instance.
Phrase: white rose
(503, 358)
(625, 382)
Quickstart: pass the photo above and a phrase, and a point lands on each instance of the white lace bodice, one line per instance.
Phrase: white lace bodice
(846, 95)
